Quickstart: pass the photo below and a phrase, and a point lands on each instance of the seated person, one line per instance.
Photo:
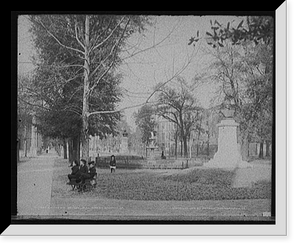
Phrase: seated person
(87, 172)
(75, 174)
(83, 171)
(92, 169)
(92, 172)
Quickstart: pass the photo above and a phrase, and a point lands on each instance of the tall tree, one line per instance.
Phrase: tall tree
(145, 122)
(88, 47)
(179, 106)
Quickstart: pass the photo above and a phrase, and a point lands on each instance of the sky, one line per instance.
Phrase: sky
(159, 53)
(160, 63)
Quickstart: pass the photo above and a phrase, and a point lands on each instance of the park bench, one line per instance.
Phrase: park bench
(88, 185)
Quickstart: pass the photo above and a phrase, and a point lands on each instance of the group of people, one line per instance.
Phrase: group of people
(83, 171)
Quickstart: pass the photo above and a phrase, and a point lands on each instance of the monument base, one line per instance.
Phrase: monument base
(153, 153)
(217, 163)
(228, 154)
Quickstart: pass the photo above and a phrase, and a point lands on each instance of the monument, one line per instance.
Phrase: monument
(228, 154)
(152, 151)
(124, 143)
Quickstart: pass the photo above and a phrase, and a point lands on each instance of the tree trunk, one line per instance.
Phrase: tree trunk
(86, 88)
(176, 141)
(70, 151)
(185, 147)
(65, 149)
(207, 149)
(208, 137)
(245, 148)
(261, 150)
(267, 148)
(181, 148)
(75, 149)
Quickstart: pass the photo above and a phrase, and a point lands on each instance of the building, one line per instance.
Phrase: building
(30, 141)
(202, 141)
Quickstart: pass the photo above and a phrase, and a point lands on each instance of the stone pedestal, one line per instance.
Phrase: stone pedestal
(153, 153)
(228, 154)
(124, 146)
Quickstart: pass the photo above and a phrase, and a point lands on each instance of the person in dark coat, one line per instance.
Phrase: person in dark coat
(112, 164)
(83, 166)
(93, 173)
(75, 174)
(92, 169)
(84, 170)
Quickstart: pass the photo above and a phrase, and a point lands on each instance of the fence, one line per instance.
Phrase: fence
(137, 162)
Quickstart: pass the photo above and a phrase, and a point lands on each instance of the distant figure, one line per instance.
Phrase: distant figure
(112, 164)
(162, 155)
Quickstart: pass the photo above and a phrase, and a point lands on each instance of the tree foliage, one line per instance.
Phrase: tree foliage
(77, 60)
(258, 29)
(145, 122)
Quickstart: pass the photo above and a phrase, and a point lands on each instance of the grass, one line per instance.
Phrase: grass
(198, 184)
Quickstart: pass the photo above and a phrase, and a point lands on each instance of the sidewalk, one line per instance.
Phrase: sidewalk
(34, 183)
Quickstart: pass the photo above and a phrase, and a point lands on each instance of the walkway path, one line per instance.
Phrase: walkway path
(246, 177)
(34, 185)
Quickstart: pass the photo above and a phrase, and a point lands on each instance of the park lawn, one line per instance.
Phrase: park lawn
(196, 184)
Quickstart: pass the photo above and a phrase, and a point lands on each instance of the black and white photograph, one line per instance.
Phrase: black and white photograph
(146, 118)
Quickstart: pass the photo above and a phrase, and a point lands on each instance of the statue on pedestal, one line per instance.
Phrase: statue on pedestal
(124, 143)
(228, 154)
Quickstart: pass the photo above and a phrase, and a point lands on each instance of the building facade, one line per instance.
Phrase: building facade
(202, 140)
(30, 141)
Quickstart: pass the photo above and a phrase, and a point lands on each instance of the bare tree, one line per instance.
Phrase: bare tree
(179, 106)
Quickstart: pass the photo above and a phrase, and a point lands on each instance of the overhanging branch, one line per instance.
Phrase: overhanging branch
(120, 110)
(106, 39)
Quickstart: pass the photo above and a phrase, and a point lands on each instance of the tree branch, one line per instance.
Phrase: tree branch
(165, 116)
(119, 110)
(112, 62)
(34, 105)
(58, 41)
(77, 38)
(101, 43)
(174, 76)
(153, 46)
